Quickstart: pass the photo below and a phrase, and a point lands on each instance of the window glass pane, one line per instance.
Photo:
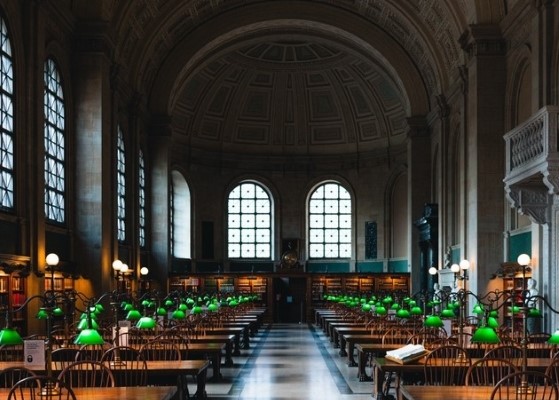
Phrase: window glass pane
(54, 142)
(330, 222)
(121, 186)
(141, 200)
(249, 222)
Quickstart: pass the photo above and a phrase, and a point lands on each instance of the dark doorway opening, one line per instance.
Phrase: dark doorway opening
(289, 295)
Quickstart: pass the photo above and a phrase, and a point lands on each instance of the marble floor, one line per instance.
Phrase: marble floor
(289, 361)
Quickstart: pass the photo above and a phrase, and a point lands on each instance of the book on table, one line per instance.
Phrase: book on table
(407, 353)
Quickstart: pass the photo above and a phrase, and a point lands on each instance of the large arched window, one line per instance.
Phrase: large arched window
(120, 186)
(6, 121)
(179, 214)
(55, 160)
(249, 223)
(141, 200)
(330, 222)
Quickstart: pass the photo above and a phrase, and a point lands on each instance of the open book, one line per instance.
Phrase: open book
(408, 353)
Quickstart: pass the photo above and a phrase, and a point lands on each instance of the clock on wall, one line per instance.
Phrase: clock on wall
(290, 254)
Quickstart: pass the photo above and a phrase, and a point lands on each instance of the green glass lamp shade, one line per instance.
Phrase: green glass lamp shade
(416, 310)
(366, 307)
(42, 314)
(133, 315)
(381, 310)
(196, 310)
(58, 312)
(178, 314)
(478, 309)
(146, 323)
(168, 303)
(89, 336)
(10, 337)
(233, 303)
(213, 307)
(145, 303)
(485, 334)
(534, 313)
(492, 322)
(190, 301)
(412, 303)
(85, 316)
(183, 307)
(553, 339)
(85, 324)
(387, 300)
(128, 307)
(161, 311)
(514, 309)
(447, 313)
(494, 313)
(402, 313)
(100, 307)
(433, 321)
(395, 306)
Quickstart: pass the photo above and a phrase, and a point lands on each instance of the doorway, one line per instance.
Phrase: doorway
(289, 299)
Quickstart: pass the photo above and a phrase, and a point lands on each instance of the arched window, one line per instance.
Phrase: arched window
(6, 121)
(141, 200)
(54, 133)
(330, 222)
(179, 214)
(249, 223)
(120, 187)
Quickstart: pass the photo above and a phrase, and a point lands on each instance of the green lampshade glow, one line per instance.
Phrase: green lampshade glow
(168, 303)
(447, 313)
(553, 339)
(416, 310)
(85, 316)
(402, 313)
(99, 307)
(10, 337)
(89, 336)
(492, 322)
(381, 310)
(178, 314)
(233, 303)
(433, 321)
(183, 307)
(478, 309)
(366, 307)
(196, 310)
(161, 311)
(146, 323)
(213, 307)
(84, 324)
(133, 315)
(494, 313)
(514, 309)
(387, 300)
(534, 313)
(145, 303)
(42, 314)
(485, 334)
(58, 312)
(395, 306)
(128, 307)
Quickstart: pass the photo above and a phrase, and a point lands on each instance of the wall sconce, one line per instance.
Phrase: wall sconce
(120, 270)
(460, 272)
(52, 261)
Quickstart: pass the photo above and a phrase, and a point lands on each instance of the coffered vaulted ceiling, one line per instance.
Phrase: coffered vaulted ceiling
(291, 77)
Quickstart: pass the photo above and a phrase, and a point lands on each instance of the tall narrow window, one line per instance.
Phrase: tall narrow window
(55, 160)
(180, 216)
(249, 224)
(120, 187)
(141, 200)
(330, 222)
(6, 121)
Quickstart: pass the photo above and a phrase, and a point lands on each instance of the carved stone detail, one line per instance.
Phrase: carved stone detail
(533, 201)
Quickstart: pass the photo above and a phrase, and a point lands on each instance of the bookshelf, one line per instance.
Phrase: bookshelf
(12, 296)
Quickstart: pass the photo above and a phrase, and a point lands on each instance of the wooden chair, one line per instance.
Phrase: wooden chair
(9, 376)
(552, 369)
(127, 364)
(63, 356)
(508, 352)
(446, 365)
(87, 373)
(529, 385)
(159, 349)
(489, 371)
(30, 388)
(92, 352)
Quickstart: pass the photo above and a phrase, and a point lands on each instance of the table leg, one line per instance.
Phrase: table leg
(228, 354)
(361, 365)
(216, 368)
(246, 338)
(342, 346)
(237, 351)
(201, 385)
(351, 360)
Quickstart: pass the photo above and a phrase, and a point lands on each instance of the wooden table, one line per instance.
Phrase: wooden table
(227, 339)
(411, 392)
(118, 393)
(382, 365)
(155, 369)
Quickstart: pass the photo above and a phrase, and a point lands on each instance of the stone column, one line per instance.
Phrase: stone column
(484, 163)
(95, 142)
(419, 193)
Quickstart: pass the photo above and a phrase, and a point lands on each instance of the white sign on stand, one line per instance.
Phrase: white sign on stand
(34, 353)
